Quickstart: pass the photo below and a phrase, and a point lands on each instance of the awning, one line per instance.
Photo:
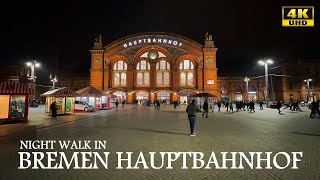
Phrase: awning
(91, 92)
(14, 87)
(60, 92)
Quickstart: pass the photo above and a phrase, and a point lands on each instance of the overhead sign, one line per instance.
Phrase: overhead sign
(173, 42)
(210, 81)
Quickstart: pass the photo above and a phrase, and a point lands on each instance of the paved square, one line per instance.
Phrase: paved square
(135, 129)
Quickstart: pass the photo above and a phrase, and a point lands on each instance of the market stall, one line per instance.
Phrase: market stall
(93, 97)
(14, 101)
(65, 100)
(201, 97)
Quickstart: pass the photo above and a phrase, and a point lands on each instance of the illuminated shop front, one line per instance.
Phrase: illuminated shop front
(238, 94)
(153, 66)
(252, 94)
(14, 98)
(64, 98)
(224, 94)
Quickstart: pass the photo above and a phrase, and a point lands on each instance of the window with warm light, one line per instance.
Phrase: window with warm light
(186, 73)
(120, 73)
(163, 73)
(143, 74)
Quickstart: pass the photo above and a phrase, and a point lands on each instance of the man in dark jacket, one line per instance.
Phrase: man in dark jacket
(205, 108)
(53, 108)
(191, 110)
(279, 105)
(219, 105)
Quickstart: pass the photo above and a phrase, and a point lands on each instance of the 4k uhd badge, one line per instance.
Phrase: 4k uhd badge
(297, 16)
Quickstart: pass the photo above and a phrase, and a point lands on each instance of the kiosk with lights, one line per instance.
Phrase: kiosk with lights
(201, 97)
(94, 97)
(14, 100)
(64, 98)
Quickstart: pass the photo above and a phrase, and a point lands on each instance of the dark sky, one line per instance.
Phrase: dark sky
(60, 34)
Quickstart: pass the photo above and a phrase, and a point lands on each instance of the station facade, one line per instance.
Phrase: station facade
(154, 66)
(170, 67)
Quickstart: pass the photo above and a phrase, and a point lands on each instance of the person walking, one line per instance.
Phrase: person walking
(191, 110)
(227, 105)
(53, 108)
(205, 108)
(158, 105)
(219, 105)
(279, 105)
(117, 103)
(123, 102)
(251, 106)
(231, 107)
(175, 104)
(261, 103)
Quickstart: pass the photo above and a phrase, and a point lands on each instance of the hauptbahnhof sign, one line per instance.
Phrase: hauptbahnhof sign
(152, 41)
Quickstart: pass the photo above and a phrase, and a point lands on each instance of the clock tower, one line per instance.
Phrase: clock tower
(96, 71)
(209, 66)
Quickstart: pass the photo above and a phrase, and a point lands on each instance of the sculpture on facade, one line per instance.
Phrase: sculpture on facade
(208, 37)
(99, 38)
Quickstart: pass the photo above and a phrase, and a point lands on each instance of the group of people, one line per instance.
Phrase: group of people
(240, 106)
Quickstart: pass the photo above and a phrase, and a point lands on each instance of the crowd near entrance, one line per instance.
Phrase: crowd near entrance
(120, 96)
(163, 97)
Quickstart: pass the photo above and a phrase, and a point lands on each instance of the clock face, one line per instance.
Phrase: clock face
(97, 61)
(209, 59)
(153, 54)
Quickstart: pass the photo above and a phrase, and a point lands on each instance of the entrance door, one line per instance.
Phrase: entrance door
(142, 96)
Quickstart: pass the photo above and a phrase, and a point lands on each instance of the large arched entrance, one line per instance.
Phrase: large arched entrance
(120, 95)
(163, 96)
(142, 95)
(252, 94)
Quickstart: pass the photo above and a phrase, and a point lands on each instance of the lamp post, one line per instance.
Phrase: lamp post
(265, 63)
(33, 64)
(247, 86)
(308, 85)
(53, 80)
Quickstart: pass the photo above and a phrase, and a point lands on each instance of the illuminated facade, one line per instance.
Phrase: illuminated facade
(171, 67)
(154, 66)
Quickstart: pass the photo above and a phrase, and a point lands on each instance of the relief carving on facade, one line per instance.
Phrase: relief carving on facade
(176, 53)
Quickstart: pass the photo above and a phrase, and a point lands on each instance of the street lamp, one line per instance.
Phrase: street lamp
(33, 64)
(247, 86)
(265, 63)
(308, 85)
(53, 80)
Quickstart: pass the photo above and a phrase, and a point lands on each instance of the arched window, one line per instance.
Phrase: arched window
(120, 73)
(163, 73)
(143, 74)
(186, 73)
(186, 65)
(183, 79)
(166, 80)
(139, 79)
(120, 66)
(117, 79)
(159, 78)
(190, 79)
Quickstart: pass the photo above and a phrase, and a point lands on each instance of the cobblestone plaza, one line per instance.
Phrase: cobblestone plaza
(139, 128)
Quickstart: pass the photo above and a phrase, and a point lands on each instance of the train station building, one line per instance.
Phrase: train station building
(170, 67)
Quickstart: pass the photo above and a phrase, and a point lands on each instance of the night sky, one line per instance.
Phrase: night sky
(60, 34)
